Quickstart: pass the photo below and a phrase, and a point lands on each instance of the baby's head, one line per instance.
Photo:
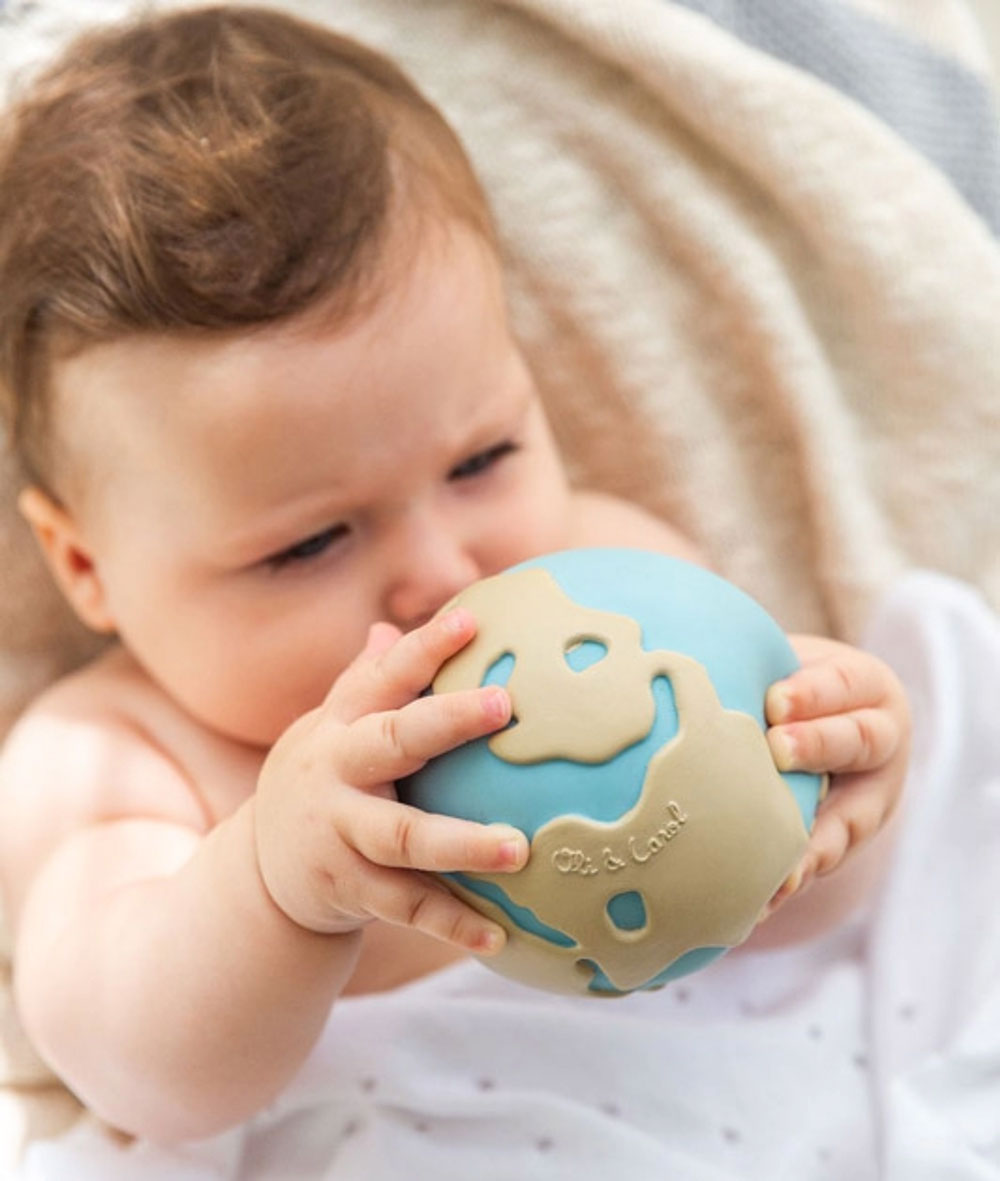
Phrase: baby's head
(206, 170)
(254, 355)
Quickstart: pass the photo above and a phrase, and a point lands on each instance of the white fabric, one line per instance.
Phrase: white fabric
(872, 1053)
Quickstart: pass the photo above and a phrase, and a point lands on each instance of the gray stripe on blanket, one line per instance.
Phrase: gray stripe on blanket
(941, 109)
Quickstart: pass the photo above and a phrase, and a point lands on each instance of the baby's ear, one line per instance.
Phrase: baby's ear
(68, 557)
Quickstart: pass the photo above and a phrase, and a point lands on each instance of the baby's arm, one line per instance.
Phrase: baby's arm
(600, 519)
(154, 968)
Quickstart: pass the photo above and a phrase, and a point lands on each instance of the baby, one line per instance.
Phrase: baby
(257, 365)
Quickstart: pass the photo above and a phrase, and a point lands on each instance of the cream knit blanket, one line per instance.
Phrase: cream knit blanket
(751, 304)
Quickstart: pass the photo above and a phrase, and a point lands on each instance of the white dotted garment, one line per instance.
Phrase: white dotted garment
(872, 1053)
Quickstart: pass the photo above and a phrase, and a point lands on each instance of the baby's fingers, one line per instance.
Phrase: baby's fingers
(836, 680)
(862, 740)
(384, 747)
(388, 833)
(412, 900)
(849, 816)
(393, 669)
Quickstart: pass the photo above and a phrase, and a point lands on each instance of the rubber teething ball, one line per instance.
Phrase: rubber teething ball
(635, 763)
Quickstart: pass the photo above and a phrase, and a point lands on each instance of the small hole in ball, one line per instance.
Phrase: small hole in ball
(500, 670)
(627, 911)
(584, 651)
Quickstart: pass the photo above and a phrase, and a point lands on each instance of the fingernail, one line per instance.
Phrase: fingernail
(783, 750)
(496, 705)
(793, 883)
(455, 621)
(513, 852)
(779, 703)
(490, 941)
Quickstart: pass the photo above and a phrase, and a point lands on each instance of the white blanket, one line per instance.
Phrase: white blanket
(871, 1053)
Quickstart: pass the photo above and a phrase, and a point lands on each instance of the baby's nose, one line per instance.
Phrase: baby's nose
(432, 567)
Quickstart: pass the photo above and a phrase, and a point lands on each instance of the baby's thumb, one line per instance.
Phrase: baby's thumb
(381, 637)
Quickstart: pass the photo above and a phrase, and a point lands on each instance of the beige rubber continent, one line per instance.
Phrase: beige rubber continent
(715, 830)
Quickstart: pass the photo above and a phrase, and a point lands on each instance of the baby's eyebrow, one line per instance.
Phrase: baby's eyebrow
(267, 535)
(500, 420)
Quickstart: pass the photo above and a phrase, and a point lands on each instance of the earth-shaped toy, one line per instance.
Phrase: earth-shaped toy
(635, 763)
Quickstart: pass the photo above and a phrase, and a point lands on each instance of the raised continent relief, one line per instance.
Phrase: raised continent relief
(713, 834)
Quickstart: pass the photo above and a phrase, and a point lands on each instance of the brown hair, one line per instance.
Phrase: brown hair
(207, 169)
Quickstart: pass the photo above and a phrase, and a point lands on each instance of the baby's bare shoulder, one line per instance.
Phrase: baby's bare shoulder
(104, 687)
(104, 744)
(84, 735)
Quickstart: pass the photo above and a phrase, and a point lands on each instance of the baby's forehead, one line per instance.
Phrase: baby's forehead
(149, 384)
(251, 219)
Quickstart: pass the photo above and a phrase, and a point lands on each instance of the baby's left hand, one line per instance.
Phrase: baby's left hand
(844, 712)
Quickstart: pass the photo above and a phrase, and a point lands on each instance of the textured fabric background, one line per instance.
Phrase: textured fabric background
(927, 97)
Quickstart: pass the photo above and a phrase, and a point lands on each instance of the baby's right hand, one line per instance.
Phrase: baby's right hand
(334, 845)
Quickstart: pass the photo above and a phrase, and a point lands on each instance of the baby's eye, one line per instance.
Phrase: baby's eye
(310, 547)
(476, 464)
